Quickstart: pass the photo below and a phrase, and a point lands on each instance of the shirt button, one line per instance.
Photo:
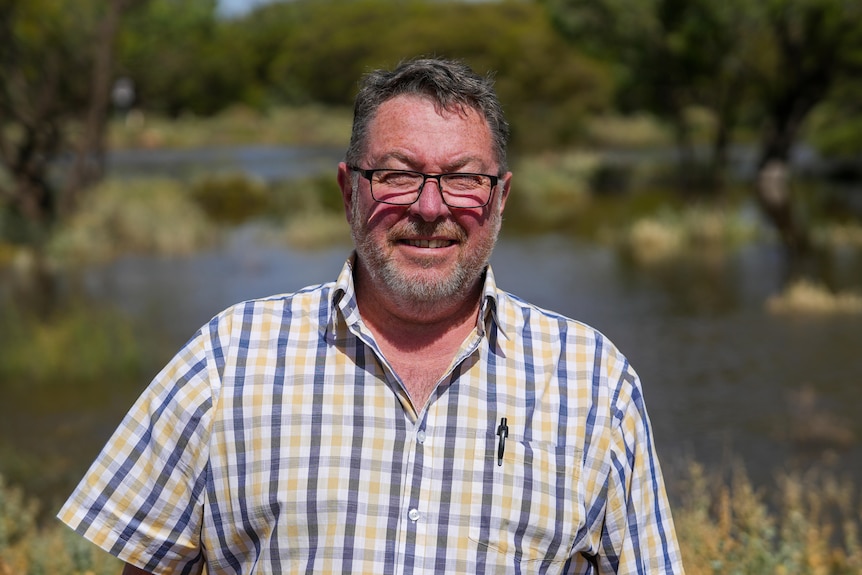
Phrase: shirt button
(413, 514)
(420, 437)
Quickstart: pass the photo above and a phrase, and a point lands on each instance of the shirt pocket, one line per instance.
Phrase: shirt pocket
(533, 506)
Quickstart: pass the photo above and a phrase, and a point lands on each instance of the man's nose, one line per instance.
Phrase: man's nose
(430, 205)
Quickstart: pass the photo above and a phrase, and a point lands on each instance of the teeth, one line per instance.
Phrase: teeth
(428, 243)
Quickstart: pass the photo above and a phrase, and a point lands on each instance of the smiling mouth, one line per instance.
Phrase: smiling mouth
(432, 244)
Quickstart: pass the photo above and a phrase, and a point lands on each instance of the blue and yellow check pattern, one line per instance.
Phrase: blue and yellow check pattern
(279, 440)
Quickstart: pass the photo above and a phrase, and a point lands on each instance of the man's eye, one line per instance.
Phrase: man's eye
(397, 178)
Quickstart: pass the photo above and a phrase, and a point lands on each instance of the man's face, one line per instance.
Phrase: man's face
(425, 253)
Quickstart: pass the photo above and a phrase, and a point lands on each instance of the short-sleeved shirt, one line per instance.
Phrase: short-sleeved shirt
(280, 440)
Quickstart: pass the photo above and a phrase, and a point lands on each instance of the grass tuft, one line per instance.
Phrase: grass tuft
(809, 298)
(78, 345)
(692, 231)
(237, 126)
(152, 216)
(810, 526)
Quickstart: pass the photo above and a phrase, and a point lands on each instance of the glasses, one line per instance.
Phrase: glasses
(403, 187)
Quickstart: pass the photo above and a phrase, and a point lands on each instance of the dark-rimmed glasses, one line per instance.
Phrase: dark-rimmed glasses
(403, 187)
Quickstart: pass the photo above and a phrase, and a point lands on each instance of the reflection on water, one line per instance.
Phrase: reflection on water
(721, 375)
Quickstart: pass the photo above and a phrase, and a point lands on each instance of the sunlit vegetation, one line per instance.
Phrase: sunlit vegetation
(669, 235)
(550, 190)
(806, 523)
(838, 236)
(311, 213)
(807, 297)
(26, 548)
(309, 125)
(77, 346)
(637, 131)
(231, 198)
(155, 216)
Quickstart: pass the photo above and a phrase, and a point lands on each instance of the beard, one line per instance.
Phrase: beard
(416, 288)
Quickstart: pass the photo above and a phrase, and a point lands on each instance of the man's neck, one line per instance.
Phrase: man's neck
(412, 325)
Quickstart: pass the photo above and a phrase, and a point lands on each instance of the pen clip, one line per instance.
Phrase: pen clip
(502, 433)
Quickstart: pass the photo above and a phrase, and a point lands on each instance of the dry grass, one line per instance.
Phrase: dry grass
(639, 131)
(807, 525)
(154, 216)
(838, 236)
(303, 126)
(693, 231)
(807, 298)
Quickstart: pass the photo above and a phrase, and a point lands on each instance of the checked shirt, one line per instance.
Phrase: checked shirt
(279, 440)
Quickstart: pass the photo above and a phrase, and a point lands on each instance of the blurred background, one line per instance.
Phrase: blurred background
(687, 179)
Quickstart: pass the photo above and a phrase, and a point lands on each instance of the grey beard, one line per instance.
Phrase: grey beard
(417, 291)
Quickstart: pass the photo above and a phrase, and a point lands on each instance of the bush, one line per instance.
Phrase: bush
(726, 525)
(231, 198)
(26, 549)
(79, 345)
(674, 234)
(806, 297)
(152, 216)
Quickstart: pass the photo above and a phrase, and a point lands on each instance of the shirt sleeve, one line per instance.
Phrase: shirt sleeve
(638, 534)
(142, 498)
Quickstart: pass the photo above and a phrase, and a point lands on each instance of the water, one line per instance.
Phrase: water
(722, 377)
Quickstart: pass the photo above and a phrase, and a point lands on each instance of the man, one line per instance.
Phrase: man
(409, 417)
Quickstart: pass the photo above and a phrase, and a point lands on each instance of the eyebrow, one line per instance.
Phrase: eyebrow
(448, 168)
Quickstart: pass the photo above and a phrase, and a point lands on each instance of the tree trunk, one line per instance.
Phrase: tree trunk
(88, 167)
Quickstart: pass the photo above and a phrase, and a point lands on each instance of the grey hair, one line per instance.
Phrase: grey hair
(450, 84)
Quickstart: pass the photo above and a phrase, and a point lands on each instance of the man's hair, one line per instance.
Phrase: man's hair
(450, 84)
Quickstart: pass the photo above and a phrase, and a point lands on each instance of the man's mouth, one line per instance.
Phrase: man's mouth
(428, 243)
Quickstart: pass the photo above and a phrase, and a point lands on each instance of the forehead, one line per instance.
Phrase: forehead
(416, 128)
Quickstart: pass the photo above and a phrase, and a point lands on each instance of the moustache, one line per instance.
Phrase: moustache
(418, 228)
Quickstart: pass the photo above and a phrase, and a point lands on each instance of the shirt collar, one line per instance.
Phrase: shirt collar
(343, 309)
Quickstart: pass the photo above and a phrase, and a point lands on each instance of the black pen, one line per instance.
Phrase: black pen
(502, 433)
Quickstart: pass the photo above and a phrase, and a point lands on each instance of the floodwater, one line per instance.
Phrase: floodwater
(724, 379)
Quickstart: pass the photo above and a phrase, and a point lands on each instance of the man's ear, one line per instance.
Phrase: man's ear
(346, 184)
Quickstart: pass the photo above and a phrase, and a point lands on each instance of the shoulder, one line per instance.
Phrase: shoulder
(310, 304)
(515, 314)
(573, 346)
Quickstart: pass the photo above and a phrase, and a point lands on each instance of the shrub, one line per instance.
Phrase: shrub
(78, 345)
(694, 230)
(231, 198)
(550, 190)
(726, 525)
(154, 216)
(806, 297)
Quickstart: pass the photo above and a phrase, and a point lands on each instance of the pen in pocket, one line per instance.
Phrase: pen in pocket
(502, 433)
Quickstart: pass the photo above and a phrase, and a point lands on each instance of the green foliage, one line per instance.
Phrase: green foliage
(230, 198)
(77, 346)
(764, 64)
(182, 59)
(306, 54)
(311, 125)
(550, 191)
(28, 549)
(17, 516)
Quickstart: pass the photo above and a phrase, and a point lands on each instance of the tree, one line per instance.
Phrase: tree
(809, 48)
(183, 59)
(776, 60)
(670, 55)
(56, 62)
(546, 85)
